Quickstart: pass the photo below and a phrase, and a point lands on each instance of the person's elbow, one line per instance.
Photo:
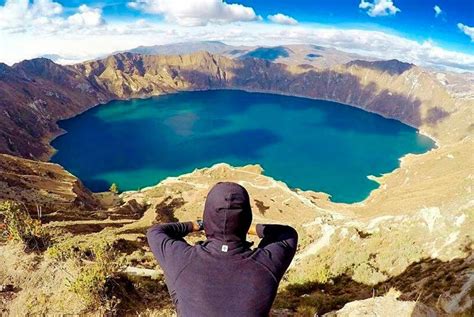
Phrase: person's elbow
(293, 235)
(153, 231)
(289, 235)
(290, 232)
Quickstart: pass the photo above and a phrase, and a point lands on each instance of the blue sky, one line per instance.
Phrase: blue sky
(79, 29)
(416, 19)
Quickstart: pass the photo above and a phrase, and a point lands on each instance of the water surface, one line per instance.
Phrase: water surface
(309, 144)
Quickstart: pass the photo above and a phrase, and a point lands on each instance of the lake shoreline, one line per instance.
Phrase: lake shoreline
(329, 108)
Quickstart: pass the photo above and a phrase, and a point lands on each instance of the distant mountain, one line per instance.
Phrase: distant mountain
(296, 54)
(268, 53)
(214, 47)
(53, 57)
(393, 66)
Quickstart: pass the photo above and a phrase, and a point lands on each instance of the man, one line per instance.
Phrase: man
(222, 276)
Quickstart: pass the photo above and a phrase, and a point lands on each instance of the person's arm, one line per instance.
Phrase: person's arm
(279, 243)
(167, 243)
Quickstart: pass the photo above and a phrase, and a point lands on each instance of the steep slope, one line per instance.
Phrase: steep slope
(342, 256)
(35, 94)
(426, 255)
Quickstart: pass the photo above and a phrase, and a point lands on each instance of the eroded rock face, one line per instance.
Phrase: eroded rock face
(45, 189)
(34, 94)
(129, 210)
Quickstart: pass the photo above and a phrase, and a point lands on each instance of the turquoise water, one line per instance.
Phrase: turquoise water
(309, 144)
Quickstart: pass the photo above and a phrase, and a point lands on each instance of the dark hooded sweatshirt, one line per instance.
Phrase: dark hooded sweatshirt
(222, 276)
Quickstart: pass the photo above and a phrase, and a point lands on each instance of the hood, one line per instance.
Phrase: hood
(227, 213)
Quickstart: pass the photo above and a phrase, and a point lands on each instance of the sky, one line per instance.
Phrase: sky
(432, 33)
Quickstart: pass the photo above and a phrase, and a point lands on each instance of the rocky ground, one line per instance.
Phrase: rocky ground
(406, 250)
(342, 257)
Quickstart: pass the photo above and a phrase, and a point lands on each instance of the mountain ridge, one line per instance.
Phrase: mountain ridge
(129, 75)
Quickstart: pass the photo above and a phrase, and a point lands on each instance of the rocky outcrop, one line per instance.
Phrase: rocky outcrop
(383, 306)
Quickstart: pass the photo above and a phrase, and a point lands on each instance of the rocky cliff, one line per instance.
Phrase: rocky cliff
(36, 94)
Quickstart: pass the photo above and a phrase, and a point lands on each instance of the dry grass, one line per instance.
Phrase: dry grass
(19, 226)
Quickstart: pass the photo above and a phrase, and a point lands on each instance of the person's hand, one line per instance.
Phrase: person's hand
(253, 229)
(195, 226)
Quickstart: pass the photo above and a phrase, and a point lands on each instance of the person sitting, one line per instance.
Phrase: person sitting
(222, 276)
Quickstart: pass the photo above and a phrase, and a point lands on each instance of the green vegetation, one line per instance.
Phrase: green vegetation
(100, 282)
(316, 271)
(114, 188)
(97, 262)
(19, 226)
(78, 248)
(90, 283)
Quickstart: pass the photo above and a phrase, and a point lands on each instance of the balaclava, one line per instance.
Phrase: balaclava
(227, 213)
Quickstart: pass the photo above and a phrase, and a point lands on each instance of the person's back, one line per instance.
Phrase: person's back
(222, 276)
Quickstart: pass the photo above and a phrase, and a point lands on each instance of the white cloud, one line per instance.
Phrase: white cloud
(282, 19)
(379, 44)
(86, 16)
(39, 16)
(437, 10)
(196, 12)
(468, 30)
(15, 13)
(92, 42)
(379, 7)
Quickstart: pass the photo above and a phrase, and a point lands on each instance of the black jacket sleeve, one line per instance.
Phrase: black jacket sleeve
(278, 247)
(168, 246)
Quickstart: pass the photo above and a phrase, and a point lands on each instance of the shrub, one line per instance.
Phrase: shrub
(77, 248)
(93, 276)
(114, 188)
(314, 271)
(306, 311)
(19, 226)
(99, 283)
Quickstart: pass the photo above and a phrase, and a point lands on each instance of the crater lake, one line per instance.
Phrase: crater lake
(308, 144)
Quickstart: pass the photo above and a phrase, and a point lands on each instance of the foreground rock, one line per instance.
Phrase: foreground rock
(387, 306)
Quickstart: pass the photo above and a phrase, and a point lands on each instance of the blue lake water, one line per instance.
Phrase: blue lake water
(309, 144)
